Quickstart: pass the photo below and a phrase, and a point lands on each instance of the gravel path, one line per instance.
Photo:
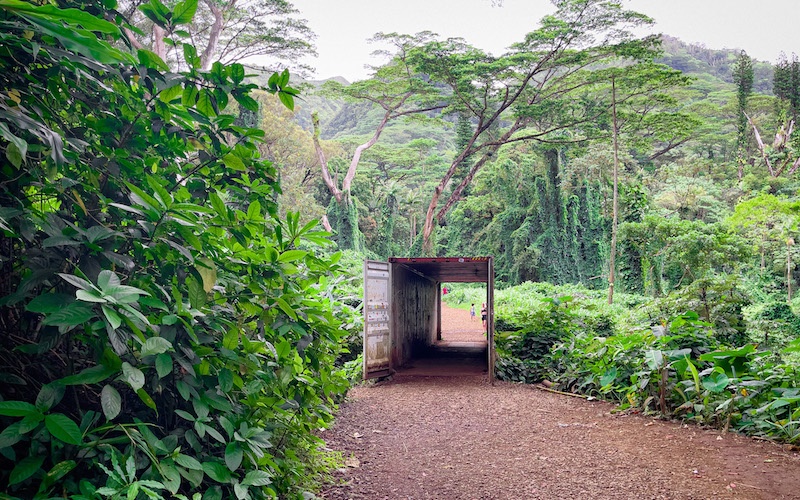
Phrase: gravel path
(448, 437)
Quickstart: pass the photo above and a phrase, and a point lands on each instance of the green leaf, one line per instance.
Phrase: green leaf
(654, 358)
(151, 60)
(208, 271)
(225, 378)
(205, 103)
(197, 295)
(231, 339)
(25, 469)
(285, 307)
(171, 477)
(716, 382)
(608, 377)
(155, 11)
(246, 101)
(171, 93)
(49, 303)
(88, 376)
(14, 155)
(11, 435)
(107, 279)
(16, 409)
(156, 345)
(219, 206)
(111, 402)
(240, 490)
(73, 314)
(146, 399)
(283, 81)
(133, 376)
(163, 365)
(192, 59)
(49, 396)
(30, 422)
(59, 470)
(90, 296)
(62, 427)
(233, 162)
(112, 317)
(292, 255)
(287, 100)
(188, 462)
(183, 13)
(77, 282)
(233, 456)
(217, 472)
(237, 73)
(73, 17)
(189, 96)
(257, 478)
(18, 142)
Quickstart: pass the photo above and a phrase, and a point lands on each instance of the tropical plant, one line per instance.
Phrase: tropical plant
(164, 332)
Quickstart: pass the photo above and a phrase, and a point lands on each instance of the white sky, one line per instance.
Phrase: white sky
(763, 28)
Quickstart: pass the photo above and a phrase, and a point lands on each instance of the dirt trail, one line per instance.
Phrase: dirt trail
(463, 438)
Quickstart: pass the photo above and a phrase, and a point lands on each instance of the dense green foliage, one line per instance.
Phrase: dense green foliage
(165, 333)
(175, 323)
(676, 366)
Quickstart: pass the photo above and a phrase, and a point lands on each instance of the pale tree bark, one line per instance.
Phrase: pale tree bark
(391, 112)
(351, 171)
(206, 58)
(132, 38)
(780, 144)
(323, 161)
(159, 47)
(430, 218)
(326, 223)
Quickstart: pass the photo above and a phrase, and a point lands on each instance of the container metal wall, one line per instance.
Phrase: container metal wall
(415, 314)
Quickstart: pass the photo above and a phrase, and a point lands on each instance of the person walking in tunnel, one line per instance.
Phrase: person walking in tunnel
(472, 312)
(483, 315)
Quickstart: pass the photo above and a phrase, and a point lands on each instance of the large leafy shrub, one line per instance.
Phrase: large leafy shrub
(163, 331)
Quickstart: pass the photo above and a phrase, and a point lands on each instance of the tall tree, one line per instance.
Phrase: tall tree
(786, 85)
(615, 190)
(743, 78)
(226, 30)
(643, 114)
(397, 91)
(529, 94)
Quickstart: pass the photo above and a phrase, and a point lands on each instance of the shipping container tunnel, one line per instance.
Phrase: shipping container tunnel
(403, 321)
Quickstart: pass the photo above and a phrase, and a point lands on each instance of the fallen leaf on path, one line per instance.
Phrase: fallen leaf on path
(352, 462)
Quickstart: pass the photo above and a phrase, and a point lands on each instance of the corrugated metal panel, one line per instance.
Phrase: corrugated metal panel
(448, 269)
(377, 327)
(402, 300)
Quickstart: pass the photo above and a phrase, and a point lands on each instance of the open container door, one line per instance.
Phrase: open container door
(377, 327)
(490, 317)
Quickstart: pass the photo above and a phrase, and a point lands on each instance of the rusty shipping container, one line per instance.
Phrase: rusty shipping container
(402, 308)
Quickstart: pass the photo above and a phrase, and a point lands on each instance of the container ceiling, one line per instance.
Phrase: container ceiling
(448, 269)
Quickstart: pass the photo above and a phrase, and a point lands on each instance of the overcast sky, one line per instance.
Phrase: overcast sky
(763, 28)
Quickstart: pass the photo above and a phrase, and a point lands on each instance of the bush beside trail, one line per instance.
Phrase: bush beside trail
(165, 333)
(678, 366)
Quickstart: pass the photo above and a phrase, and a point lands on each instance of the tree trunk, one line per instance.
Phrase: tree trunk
(427, 230)
(323, 161)
(159, 47)
(613, 252)
(214, 32)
